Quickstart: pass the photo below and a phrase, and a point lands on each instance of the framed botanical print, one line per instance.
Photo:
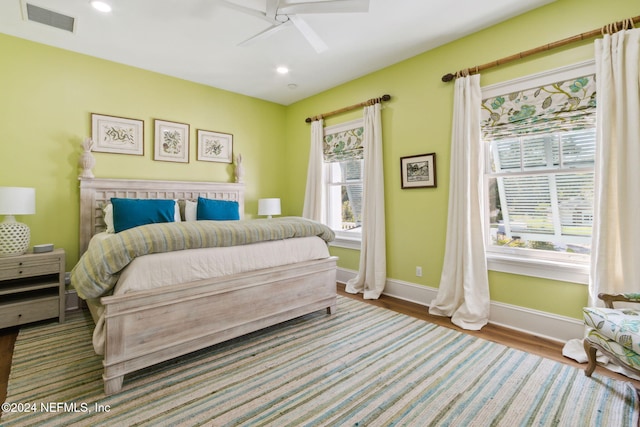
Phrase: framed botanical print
(171, 141)
(215, 146)
(418, 171)
(111, 134)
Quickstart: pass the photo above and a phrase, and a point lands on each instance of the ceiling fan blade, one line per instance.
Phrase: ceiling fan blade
(249, 11)
(326, 6)
(264, 34)
(272, 8)
(312, 37)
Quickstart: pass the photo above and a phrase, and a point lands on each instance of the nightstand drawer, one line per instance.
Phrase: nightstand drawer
(21, 312)
(32, 288)
(16, 269)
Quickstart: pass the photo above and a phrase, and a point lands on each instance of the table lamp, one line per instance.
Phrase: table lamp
(269, 207)
(15, 236)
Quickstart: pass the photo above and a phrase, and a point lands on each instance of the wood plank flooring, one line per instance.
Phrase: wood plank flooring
(509, 337)
(7, 340)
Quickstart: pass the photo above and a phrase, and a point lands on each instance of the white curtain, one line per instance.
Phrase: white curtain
(616, 227)
(615, 241)
(314, 194)
(372, 274)
(463, 294)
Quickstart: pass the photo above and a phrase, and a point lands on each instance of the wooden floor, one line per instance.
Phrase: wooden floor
(7, 340)
(515, 339)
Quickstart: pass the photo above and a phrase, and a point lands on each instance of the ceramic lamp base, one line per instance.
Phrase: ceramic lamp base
(14, 238)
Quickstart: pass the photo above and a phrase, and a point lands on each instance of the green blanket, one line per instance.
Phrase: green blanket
(98, 269)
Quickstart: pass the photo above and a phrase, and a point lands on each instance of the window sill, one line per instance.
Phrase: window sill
(554, 270)
(346, 242)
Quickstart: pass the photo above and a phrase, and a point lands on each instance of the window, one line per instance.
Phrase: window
(541, 192)
(539, 149)
(344, 164)
(344, 195)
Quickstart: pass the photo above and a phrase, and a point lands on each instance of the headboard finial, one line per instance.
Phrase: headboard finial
(86, 160)
(239, 169)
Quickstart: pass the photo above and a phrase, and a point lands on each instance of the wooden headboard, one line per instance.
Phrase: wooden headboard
(96, 193)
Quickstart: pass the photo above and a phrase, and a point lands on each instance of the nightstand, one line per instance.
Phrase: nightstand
(32, 288)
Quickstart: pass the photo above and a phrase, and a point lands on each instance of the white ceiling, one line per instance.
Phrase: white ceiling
(197, 40)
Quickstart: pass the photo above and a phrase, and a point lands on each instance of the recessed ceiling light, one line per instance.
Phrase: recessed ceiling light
(101, 6)
(282, 70)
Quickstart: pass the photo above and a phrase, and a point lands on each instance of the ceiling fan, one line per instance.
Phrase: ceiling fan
(282, 13)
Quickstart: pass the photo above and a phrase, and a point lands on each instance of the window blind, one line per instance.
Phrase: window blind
(562, 106)
(343, 145)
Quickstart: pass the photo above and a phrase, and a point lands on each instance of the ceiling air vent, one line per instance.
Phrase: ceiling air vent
(49, 17)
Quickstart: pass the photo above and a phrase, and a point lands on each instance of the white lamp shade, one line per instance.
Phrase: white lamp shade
(17, 201)
(269, 207)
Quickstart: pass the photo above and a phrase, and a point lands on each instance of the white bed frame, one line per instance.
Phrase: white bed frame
(198, 314)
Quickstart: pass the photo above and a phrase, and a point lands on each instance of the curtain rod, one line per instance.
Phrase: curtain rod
(610, 29)
(349, 108)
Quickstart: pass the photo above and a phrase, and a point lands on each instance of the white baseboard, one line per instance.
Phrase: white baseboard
(535, 322)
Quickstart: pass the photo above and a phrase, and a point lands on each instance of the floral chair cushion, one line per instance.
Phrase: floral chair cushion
(621, 325)
(630, 357)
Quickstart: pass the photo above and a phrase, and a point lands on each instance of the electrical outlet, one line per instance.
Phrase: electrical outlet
(419, 271)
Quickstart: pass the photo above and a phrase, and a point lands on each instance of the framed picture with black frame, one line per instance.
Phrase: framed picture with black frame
(418, 171)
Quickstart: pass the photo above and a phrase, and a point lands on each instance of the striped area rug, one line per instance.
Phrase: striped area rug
(363, 366)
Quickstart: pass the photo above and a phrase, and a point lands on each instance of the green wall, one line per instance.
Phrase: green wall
(47, 96)
(418, 120)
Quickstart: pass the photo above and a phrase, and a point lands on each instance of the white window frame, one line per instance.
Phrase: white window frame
(343, 239)
(527, 262)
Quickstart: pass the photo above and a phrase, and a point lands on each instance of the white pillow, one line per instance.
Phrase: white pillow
(190, 210)
(108, 216)
(176, 212)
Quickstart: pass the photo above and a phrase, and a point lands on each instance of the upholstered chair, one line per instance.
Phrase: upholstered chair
(614, 331)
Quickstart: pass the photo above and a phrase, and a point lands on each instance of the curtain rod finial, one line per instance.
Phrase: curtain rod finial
(308, 120)
(447, 77)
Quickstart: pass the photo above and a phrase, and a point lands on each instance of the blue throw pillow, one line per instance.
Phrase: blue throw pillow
(217, 210)
(129, 213)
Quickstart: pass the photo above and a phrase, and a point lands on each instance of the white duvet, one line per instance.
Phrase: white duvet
(170, 268)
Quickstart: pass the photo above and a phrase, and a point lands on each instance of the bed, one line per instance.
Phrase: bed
(142, 327)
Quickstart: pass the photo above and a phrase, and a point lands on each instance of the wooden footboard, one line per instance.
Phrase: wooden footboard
(149, 327)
